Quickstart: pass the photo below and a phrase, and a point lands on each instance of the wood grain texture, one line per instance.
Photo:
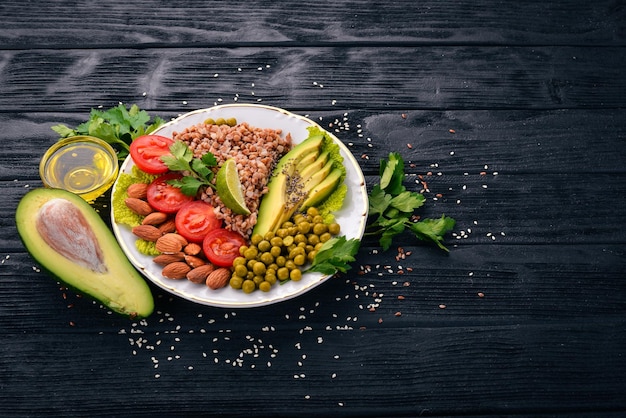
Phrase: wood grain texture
(146, 23)
(437, 77)
(510, 117)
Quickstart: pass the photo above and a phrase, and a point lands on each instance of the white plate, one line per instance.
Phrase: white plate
(351, 217)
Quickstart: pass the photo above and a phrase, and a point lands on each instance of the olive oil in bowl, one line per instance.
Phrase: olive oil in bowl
(83, 165)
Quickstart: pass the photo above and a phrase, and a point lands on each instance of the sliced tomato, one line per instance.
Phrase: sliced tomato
(164, 197)
(146, 152)
(221, 246)
(196, 219)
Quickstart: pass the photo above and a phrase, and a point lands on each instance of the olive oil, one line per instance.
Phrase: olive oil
(82, 165)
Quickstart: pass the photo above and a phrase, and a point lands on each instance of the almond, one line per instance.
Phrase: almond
(200, 274)
(154, 218)
(170, 243)
(194, 261)
(165, 259)
(168, 226)
(218, 278)
(147, 232)
(176, 270)
(137, 190)
(192, 249)
(140, 207)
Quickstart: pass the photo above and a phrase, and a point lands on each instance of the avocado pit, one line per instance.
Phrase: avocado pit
(64, 228)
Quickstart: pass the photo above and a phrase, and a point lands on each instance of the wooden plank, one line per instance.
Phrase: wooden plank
(512, 209)
(584, 142)
(145, 23)
(433, 371)
(474, 285)
(437, 78)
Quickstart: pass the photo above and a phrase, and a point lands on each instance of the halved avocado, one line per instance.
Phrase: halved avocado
(71, 241)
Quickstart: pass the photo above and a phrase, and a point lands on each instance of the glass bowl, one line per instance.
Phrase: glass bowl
(84, 165)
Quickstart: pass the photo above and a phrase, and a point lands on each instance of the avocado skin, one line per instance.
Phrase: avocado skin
(119, 287)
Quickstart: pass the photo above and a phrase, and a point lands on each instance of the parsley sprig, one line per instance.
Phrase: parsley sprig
(334, 255)
(197, 170)
(117, 126)
(392, 206)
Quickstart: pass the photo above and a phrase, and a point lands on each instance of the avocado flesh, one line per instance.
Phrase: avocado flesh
(275, 205)
(317, 165)
(316, 177)
(71, 241)
(323, 189)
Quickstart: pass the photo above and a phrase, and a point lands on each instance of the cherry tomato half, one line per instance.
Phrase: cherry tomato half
(164, 197)
(196, 219)
(146, 152)
(221, 246)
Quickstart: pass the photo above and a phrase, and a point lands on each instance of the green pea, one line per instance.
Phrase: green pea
(220, 121)
(236, 282)
(259, 268)
(248, 286)
(282, 232)
(312, 212)
(270, 278)
(275, 251)
(251, 253)
(267, 258)
(265, 286)
(276, 241)
(239, 261)
(287, 241)
(325, 237)
(258, 279)
(280, 260)
(256, 238)
(282, 273)
(304, 227)
(334, 228)
(313, 239)
(299, 260)
(319, 228)
(264, 246)
(290, 265)
(209, 121)
(241, 270)
(231, 121)
(299, 238)
(269, 235)
(296, 251)
(295, 275)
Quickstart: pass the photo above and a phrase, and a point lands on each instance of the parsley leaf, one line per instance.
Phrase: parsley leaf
(334, 255)
(392, 206)
(118, 126)
(197, 171)
(433, 229)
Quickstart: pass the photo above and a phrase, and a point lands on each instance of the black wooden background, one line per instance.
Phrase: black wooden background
(512, 112)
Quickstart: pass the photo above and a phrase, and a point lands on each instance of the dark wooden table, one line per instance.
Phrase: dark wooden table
(514, 113)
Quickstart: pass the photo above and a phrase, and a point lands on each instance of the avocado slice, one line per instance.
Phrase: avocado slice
(317, 165)
(71, 241)
(323, 189)
(276, 204)
(317, 177)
